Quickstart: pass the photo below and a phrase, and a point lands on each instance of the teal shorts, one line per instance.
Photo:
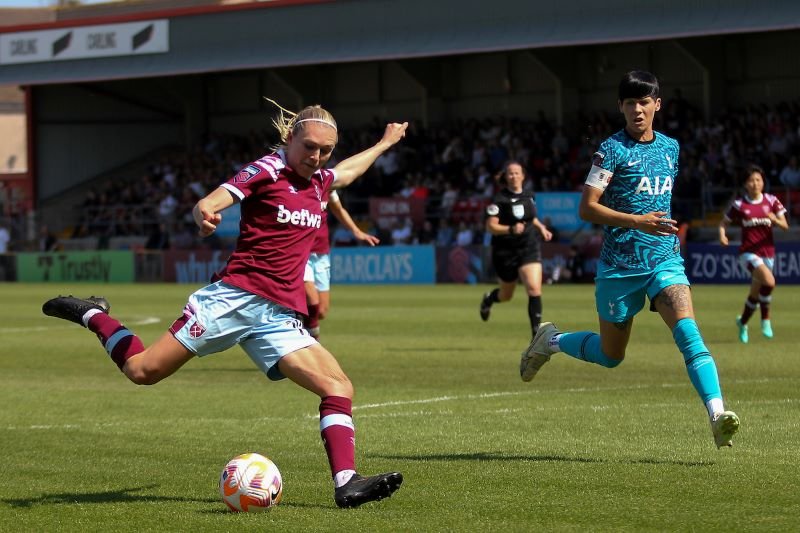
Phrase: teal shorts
(620, 298)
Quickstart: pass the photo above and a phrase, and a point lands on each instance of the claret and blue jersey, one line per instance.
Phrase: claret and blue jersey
(637, 178)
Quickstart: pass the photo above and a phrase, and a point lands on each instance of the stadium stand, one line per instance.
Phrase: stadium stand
(714, 153)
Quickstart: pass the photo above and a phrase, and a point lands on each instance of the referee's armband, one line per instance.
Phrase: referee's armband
(599, 178)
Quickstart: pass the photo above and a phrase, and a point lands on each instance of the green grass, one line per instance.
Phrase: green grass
(438, 397)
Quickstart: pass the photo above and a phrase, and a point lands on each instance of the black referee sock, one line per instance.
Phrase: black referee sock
(535, 312)
(494, 297)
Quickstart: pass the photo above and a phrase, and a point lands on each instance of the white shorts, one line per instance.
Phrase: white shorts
(318, 270)
(751, 261)
(220, 316)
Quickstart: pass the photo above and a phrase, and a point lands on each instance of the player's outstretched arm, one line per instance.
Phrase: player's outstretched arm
(352, 167)
(206, 210)
(335, 206)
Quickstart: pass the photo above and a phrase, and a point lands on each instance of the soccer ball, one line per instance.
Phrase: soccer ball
(250, 482)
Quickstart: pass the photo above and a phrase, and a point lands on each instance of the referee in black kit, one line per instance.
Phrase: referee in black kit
(516, 253)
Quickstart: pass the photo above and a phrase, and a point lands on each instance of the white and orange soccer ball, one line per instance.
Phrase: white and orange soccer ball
(250, 483)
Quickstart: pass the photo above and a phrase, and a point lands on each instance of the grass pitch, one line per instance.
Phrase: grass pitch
(438, 397)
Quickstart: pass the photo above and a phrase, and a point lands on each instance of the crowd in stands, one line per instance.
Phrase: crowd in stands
(454, 167)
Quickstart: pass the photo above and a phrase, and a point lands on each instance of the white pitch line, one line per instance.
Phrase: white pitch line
(447, 412)
(571, 390)
(144, 321)
(482, 396)
(468, 397)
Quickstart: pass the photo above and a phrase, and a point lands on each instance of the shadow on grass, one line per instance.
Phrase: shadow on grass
(499, 456)
(426, 349)
(283, 504)
(184, 370)
(112, 496)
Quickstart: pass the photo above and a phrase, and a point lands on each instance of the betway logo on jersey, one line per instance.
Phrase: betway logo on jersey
(756, 222)
(654, 186)
(299, 218)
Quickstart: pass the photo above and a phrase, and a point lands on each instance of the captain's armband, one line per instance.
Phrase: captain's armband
(599, 178)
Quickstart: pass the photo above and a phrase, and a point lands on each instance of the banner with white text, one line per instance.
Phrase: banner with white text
(712, 263)
(96, 267)
(383, 264)
(85, 42)
(193, 266)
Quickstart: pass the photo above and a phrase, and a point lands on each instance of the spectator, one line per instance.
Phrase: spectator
(5, 238)
(403, 231)
(166, 207)
(484, 182)
(574, 266)
(449, 196)
(465, 235)
(47, 241)
(426, 234)
(388, 163)
(444, 236)
(790, 175)
(158, 238)
(342, 237)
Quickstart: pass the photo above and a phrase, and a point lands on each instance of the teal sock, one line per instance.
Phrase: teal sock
(699, 363)
(585, 345)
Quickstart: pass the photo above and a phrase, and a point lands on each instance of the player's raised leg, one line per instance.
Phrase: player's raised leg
(606, 349)
(92, 313)
(143, 366)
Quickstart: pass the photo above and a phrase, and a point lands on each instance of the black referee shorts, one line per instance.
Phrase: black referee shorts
(508, 260)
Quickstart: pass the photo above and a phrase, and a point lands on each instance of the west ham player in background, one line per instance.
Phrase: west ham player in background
(259, 294)
(629, 191)
(756, 212)
(317, 276)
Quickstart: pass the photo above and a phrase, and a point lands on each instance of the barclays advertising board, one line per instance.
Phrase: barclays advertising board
(712, 263)
(561, 208)
(383, 264)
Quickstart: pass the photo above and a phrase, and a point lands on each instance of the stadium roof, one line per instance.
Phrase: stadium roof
(220, 37)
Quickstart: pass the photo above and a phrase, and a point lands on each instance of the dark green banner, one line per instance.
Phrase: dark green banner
(100, 266)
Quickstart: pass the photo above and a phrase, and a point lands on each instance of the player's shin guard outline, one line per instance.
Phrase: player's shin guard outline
(119, 342)
(700, 365)
(586, 346)
(338, 432)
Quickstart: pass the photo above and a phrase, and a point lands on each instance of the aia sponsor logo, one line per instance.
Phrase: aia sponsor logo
(655, 186)
(303, 217)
